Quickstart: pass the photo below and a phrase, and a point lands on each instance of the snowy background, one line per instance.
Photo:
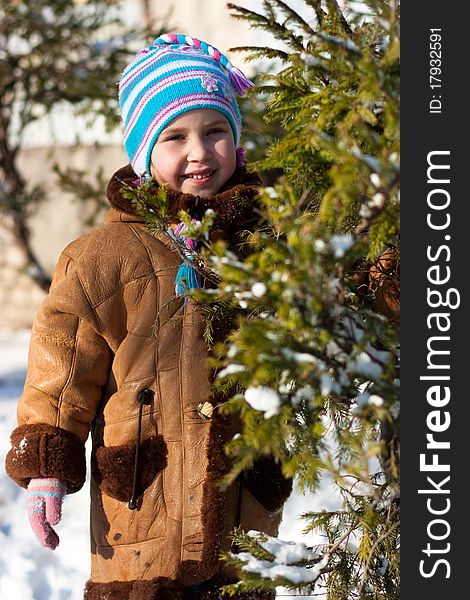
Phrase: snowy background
(29, 572)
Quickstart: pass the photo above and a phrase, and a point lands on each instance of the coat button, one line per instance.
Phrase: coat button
(145, 396)
(205, 410)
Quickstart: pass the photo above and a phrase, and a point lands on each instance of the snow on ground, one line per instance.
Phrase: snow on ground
(29, 572)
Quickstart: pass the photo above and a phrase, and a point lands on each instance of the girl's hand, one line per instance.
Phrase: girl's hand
(44, 501)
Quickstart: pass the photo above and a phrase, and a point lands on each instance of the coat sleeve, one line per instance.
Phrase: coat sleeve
(68, 365)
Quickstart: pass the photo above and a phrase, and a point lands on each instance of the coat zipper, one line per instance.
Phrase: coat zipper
(144, 397)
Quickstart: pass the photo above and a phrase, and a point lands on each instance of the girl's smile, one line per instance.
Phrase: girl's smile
(200, 177)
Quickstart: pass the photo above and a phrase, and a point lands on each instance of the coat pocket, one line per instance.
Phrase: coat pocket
(113, 467)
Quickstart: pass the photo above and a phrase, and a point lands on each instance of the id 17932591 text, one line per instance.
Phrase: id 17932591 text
(435, 71)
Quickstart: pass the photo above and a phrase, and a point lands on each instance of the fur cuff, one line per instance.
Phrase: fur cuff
(163, 589)
(113, 467)
(267, 484)
(152, 589)
(45, 451)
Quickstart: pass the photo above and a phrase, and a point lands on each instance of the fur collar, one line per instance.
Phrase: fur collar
(231, 214)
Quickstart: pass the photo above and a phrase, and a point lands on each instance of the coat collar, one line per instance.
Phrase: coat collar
(231, 213)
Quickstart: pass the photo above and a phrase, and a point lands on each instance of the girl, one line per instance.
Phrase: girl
(111, 353)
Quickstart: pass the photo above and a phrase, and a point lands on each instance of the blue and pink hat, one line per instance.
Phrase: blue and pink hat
(175, 74)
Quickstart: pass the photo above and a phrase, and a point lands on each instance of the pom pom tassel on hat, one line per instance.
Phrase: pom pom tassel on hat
(239, 81)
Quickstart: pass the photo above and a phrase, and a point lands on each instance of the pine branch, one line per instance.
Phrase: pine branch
(251, 16)
(336, 11)
(319, 12)
(261, 52)
(294, 16)
(346, 44)
(376, 543)
(337, 544)
(267, 24)
(378, 209)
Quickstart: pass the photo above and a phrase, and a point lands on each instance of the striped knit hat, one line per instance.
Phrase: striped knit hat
(174, 75)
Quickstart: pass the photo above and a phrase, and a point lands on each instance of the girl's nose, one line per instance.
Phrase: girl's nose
(199, 150)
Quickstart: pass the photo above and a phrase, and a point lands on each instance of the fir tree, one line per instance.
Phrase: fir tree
(311, 367)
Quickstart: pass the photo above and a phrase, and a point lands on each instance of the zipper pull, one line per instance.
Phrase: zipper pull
(144, 397)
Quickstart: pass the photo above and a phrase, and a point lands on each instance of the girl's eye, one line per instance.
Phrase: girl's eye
(179, 136)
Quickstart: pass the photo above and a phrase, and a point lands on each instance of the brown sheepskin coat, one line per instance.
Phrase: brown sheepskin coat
(109, 341)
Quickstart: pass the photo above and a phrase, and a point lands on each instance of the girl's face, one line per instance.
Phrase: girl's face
(197, 143)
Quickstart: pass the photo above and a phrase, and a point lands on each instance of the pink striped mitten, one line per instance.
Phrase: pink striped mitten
(44, 501)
